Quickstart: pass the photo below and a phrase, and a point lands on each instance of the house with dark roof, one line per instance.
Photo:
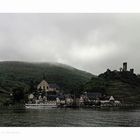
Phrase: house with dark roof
(54, 87)
(93, 95)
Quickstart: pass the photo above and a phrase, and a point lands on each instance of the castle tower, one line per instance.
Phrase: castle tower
(125, 66)
(132, 71)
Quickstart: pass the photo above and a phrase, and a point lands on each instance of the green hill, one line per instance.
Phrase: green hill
(124, 86)
(23, 74)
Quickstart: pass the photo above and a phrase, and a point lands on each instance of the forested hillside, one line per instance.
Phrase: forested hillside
(28, 75)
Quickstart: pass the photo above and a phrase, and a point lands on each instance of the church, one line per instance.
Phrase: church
(45, 86)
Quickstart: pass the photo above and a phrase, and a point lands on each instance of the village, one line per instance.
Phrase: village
(50, 95)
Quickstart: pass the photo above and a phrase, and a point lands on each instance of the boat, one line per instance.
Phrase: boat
(39, 106)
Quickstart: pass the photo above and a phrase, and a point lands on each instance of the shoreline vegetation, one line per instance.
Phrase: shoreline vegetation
(19, 79)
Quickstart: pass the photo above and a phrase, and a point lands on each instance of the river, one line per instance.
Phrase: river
(56, 117)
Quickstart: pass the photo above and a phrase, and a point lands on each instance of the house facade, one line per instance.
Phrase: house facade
(45, 86)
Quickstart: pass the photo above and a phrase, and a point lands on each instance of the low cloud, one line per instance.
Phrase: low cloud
(91, 42)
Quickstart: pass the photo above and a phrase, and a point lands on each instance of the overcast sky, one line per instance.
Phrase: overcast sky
(91, 42)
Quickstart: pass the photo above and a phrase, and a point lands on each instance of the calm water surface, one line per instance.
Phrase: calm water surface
(70, 117)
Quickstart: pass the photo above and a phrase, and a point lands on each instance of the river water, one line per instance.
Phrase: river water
(56, 117)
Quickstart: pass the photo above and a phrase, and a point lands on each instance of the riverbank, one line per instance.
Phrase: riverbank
(122, 106)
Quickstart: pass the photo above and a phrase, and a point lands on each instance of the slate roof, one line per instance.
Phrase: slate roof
(93, 95)
(54, 86)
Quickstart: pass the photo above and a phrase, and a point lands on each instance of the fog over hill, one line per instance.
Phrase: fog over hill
(91, 42)
(23, 72)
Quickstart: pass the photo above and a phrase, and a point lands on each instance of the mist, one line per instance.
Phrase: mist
(90, 42)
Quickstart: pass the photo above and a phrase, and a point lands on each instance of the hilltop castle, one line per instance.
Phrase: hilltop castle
(125, 68)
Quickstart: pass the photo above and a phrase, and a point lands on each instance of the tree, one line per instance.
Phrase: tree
(19, 95)
(96, 85)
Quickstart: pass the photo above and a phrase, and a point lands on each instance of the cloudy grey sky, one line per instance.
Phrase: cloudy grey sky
(91, 42)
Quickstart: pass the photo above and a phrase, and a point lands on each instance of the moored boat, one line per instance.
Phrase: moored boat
(38, 106)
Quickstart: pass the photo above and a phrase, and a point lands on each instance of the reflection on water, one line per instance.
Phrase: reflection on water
(70, 117)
